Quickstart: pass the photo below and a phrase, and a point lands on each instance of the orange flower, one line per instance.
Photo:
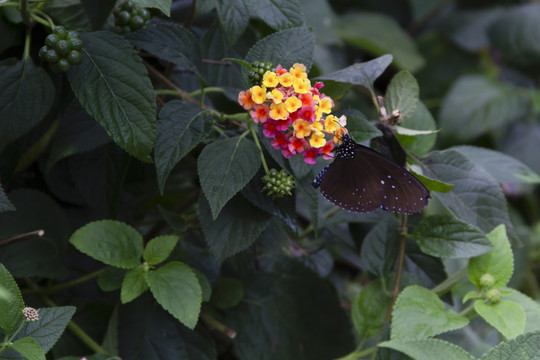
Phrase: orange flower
(278, 111)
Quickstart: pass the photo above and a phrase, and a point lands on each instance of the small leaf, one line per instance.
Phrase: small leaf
(531, 308)
(111, 279)
(177, 289)
(134, 284)
(29, 348)
(163, 5)
(120, 98)
(419, 314)
(225, 167)
(159, 248)
(402, 94)
(506, 316)
(447, 237)
(5, 204)
(111, 242)
(428, 349)
(499, 262)
(368, 310)
(10, 307)
(524, 347)
(421, 121)
(227, 293)
(206, 288)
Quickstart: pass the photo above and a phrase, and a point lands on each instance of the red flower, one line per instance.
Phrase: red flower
(269, 128)
(280, 141)
(283, 125)
(307, 113)
(259, 113)
(296, 145)
(326, 150)
(310, 155)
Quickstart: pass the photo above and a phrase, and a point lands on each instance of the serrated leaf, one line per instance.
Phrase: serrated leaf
(29, 348)
(402, 94)
(113, 86)
(170, 41)
(504, 168)
(428, 349)
(418, 314)
(10, 307)
(111, 242)
(134, 284)
(380, 34)
(20, 81)
(234, 230)
(225, 167)
(447, 237)
(531, 308)
(285, 47)
(363, 74)
(499, 262)
(5, 204)
(506, 316)
(234, 17)
(524, 347)
(163, 5)
(368, 310)
(476, 104)
(227, 293)
(379, 248)
(278, 15)
(177, 289)
(70, 13)
(159, 248)
(181, 127)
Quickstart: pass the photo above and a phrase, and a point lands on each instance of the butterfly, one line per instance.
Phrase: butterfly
(361, 179)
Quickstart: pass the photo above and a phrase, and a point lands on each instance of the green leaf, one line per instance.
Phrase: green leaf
(431, 184)
(111, 242)
(363, 74)
(402, 94)
(235, 229)
(524, 347)
(29, 348)
(419, 313)
(380, 34)
(285, 47)
(111, 279)
(469, 28)
(10, 307)
(227, 293)
(206, 288)
(120, 98)
(361, 129)
(278, 15)
(70, 13)
(531, 308)
(181, 126)
(159, 248)
(21, 81)
(421, 120)
(368, 310)
(234, 17)
(177, 289)
(134, 284)
(379, 248)
(170, 41)
(499, 262)
(504, 168)
(476, 197)
(506, 316)
(163, 5)
(5, 204)
(310, 196)
(225, 167)
(447, 237)
(428, 349)
(476, 104)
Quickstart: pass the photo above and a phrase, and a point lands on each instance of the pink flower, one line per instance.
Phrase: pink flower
(283, 125)
(296, 145)
(307, 113)
(280, 141)
(286, 153)
(259, 113)
(269, 128)
(326, 150)
(310, 155)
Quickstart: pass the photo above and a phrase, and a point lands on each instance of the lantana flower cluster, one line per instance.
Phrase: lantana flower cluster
(294, 114)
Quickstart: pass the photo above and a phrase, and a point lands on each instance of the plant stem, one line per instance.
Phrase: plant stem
(216, 325)
(27, 41)
(359, 354)
(400, 263)
(40, 232)
(256, 139)
(24, 12)
(65, 285)
(449, 282)
(467, 310)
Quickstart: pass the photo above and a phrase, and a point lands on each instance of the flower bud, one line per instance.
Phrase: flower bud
(487, 281)
(30, 314)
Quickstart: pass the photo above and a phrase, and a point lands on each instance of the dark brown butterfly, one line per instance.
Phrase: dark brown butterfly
(361, 179)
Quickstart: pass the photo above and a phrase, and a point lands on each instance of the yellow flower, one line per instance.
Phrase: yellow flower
(270, 79)
(302, 128)
(258, 94)
(275, 95)
(293, 104)
(317, 127)
(317, 140)
(286, 79)
(299, 66)
(278, 111)
(331, 124)
(297, 73)
(326, 105)
(302, 86)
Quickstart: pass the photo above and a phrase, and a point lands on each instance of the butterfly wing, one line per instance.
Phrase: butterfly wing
(367, 180)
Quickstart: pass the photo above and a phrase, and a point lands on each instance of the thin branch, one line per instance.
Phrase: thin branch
(400, 264)
(40, 233)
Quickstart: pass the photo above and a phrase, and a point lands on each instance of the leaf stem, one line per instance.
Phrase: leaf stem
(467, 310)
(24, 12)
(256, 139)
(359, 354)
(216, 325)
(400, 264)
(449, 282)
(65, 285)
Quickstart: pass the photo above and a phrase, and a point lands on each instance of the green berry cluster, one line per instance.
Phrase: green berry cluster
(61, 49)
(278, 184)
(129, 17)
(258, 68)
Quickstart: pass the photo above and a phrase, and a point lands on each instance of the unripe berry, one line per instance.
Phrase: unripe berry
(51, 56)
(74, 57)
(63, 47)
(51, 40)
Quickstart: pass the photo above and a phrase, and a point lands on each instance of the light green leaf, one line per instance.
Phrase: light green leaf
(163, 5)
(499, 262)
(113, 86)
(227, 293)
(428, 349)
(447, 237)
(524, 347)
(368, 310)
(11, 306)
(531, 308)
(159, 248)
(111, 242)
(506, 316)
(176, 288)
(431, 184)
(419, 314)
(134, 284)
(29, 348)
(111, 279)
(402, 94)
(225, 167)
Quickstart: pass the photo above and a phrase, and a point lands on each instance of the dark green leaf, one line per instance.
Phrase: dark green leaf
(163, 5)
(111, 279)
(29, 348)
(420, 120)
(112, 84)
(234, 17)
(524, 347)
(225, 167)
(21, 81)
(369, 309)
(428, 349)
(310, 197)
(402, 94)
(361, 129)
(69, 13)
(469, 28)
(134, 284)
(5, 204)
(506, 316)
(11, 306)
(380, 246)
(278, 15)
(227, 293)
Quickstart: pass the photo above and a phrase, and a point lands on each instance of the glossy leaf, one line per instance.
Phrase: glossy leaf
(421, 120)
(506, 316)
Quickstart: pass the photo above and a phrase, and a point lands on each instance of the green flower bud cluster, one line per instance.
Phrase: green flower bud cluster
(61, 49)
(258, 68)
(278, 184)
(129, 17)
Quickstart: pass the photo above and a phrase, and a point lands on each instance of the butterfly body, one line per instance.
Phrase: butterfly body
(361, 180)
